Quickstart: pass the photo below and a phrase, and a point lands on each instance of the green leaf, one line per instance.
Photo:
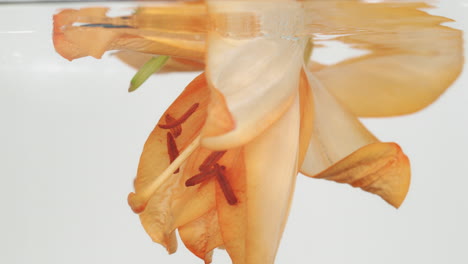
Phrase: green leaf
(153, 65)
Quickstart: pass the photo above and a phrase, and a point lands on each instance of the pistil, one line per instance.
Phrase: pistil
(138, 201)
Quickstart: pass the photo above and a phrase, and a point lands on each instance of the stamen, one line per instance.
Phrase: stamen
(177, 130)
(212, 159)
(225, 186)
(172, 149)
(182, 119)
(137, 201)
(201, 177)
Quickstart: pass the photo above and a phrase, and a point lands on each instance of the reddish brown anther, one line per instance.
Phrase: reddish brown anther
(201, 177)
(211, 160)
(182, 119)
(172, 149)
(177, 130)
(210, 168)
(225, 186)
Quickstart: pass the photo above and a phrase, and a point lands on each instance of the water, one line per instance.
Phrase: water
(71, 137)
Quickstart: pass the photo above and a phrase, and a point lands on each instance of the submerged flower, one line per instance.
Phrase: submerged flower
(221, 164)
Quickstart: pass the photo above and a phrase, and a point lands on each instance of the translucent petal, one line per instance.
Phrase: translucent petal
(253, 227)
(380, 168)
(270, 188)
(175, 205)
(342, 150)
(336, 132)
(202, 235)
(307, 116)
(255, 66)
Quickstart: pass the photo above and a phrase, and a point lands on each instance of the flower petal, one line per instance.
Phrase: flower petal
(164, 30)
(270, 188)
(161, 211)
(155, 159)
(412, 60)
(202, 235)
(339, 139)
(255, 67)
(307, 116)
(252, 228)
(232, 218)
(379, 168)
(194, 201)
(174, 205)
(156, 220)
(336, 132)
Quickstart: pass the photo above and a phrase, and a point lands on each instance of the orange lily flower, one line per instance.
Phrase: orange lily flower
(221, 164)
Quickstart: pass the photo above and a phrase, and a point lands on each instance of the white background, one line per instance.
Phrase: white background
(71, 136)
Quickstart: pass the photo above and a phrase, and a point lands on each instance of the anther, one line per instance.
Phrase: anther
(177, 130)
(201, 177)
(172, 149)
(182, 119)
(225, 186)
(211, 160)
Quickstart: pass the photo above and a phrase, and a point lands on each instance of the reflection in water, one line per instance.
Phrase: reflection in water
(407, 46)
(409, 51)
